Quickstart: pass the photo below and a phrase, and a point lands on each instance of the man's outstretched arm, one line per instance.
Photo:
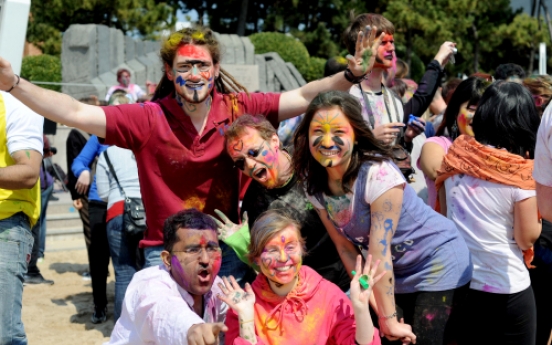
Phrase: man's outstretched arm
(53, 105)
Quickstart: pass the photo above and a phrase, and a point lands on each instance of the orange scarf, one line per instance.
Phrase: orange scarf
(467, 156)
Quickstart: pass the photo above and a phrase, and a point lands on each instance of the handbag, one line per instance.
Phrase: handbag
(401, 157)
(134, 214)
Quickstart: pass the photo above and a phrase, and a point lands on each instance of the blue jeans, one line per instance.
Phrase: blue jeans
(16, 242)
(152, 256)
(44, 199)
(123, 254)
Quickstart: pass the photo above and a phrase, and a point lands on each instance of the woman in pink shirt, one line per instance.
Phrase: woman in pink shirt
(292, 304)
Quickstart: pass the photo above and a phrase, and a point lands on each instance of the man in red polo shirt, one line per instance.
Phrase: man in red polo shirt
(178, 138)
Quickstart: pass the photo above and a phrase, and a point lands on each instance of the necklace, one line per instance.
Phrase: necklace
(292, 173)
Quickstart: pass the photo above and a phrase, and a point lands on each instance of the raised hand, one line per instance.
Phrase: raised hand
(227, 228)
(365, 52)
(360, 295)
(239, 300)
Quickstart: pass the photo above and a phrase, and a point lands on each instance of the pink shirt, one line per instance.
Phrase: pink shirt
(316, 312)
(445, 143)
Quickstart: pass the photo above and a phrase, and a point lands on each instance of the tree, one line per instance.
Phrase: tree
(49, 18)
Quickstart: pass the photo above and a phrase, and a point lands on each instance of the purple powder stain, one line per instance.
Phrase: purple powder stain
(430, 317)
(264, 153)
(221, 131)
(488, 288)
(283, 239)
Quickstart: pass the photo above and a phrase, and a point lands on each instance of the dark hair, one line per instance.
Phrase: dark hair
(399, 87)
(507, 70)
(121, 71)
(449, 87)
(359, 23)
(507, 118)
(335, 65)
(366, 147)
(185, 219)
(224, 83)
(469, 90)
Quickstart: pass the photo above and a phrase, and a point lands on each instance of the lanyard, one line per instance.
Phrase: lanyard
(369, 110)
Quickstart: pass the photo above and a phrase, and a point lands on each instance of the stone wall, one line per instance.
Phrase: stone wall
(92, 54)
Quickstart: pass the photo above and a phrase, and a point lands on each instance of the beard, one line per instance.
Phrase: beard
(195, 97)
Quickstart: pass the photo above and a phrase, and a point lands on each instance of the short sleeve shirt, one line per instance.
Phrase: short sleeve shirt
(178, 168)
(542, 171)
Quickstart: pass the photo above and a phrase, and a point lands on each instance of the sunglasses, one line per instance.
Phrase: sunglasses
(253, 153)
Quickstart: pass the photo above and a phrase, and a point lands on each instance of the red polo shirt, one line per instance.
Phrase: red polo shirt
(177, 167)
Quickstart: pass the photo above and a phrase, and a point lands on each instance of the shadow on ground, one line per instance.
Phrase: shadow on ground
(67, 267)
(85, 307)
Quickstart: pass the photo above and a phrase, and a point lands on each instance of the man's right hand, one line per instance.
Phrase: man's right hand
(205, 333)
(7, 78)
(77, 203)
(388, 132)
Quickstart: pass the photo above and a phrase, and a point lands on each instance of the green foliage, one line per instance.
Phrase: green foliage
(289, 48)
(316, 68)
(42, 68)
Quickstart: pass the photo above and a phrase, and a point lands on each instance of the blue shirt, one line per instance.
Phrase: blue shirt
(89, 152)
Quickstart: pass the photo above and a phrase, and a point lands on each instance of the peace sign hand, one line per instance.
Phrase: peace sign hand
(365, 52)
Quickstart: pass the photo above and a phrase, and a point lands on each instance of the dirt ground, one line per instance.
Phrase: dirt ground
(60, 314)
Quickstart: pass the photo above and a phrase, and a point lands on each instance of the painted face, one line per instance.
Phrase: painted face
(193, 73)
(386, 52)
(195, 260)
(124, 79)
(331, 137)
(281, 258)
(465, 117)
(256, 157)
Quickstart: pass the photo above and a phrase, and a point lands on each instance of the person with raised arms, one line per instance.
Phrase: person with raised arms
(178, 137)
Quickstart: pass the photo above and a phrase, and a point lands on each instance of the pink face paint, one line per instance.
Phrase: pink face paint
(281, 257)
(194, 52)
(202, 241)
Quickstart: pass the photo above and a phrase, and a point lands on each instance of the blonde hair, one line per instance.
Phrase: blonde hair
(540, 85)
(268, 225)
(224, 82)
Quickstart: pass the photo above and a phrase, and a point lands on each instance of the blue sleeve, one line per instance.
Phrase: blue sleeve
(86, 156)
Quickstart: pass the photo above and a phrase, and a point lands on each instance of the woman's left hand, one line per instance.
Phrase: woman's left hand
(359, 295)
(240, 301)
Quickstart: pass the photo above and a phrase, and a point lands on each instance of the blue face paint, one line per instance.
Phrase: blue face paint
(180, 81)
